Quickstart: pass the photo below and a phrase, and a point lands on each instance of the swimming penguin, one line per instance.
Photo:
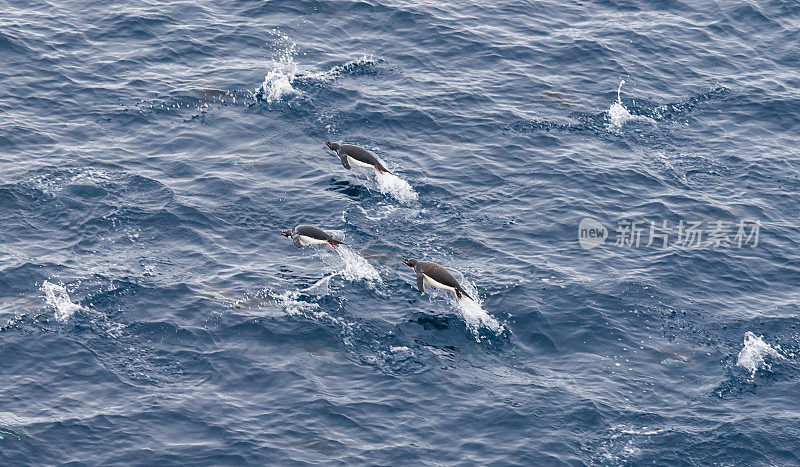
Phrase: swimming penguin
(435, 276)
(305, 235)
(354, 155)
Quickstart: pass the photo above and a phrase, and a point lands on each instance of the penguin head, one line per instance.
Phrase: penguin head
(333, 146)
(286, 233)
(410, 262)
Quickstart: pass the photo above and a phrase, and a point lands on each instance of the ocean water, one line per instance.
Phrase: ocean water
(151, 153)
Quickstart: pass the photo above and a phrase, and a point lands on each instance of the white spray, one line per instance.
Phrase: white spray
(55, 295)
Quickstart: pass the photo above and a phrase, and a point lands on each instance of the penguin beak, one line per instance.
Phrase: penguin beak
(328, 143)
(406, 262)
(286, 233)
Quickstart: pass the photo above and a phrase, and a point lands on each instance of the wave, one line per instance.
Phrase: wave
(755, 354)
(56, 296)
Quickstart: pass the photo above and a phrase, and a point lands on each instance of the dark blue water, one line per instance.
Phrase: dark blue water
(151, 312)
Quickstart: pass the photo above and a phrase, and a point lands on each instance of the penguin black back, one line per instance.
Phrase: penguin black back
(357, 153)
(436, 273)
(311, 232)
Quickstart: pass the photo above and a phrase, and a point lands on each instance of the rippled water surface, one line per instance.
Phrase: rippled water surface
(151, 153)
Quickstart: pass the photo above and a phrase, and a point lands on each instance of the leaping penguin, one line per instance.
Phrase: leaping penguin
(357, 156)
(305, 235)
(435, 276)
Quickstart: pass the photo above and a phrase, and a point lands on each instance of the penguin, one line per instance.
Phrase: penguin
(305, 235)
(435, 276)
(357, 156)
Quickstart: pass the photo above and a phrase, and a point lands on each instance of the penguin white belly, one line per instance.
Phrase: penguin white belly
(357, 162)
(310, 241)
(438, 285)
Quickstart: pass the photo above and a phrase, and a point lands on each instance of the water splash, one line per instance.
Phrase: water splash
(284, 74)
(321, 287)
(293, 303)
(753, 355)
(290, 301)
(475, 317)
(361, 66)
(56, 296)
(351, 266)
(355, 267)
(278, 82)
(396, 187)
(618, 114)
(622, 443)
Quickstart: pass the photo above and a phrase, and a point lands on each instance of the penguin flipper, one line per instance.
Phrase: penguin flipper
(296, 241)
(421, 283)
(344, 162)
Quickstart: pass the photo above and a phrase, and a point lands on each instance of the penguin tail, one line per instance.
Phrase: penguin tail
(460, 292)
(335, 243)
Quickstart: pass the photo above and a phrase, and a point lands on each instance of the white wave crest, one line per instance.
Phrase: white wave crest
(618, 115)
(55, 295)
(753, 355)
(396, 187)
